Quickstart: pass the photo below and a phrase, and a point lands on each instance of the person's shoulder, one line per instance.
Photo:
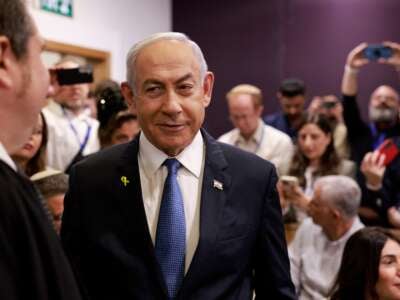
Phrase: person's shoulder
(244, 159)
(228, 137)
(277, 134)
(13, 187)
(272, 118)
(347, 167)
(52, 110)
(104, 158)
(94, 122)
(307, 229)
(7, 174)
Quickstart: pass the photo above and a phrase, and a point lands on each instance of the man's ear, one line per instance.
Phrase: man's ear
(7, 58)
(208, 87)
(259, 110)
(336, 214)
(128, 95)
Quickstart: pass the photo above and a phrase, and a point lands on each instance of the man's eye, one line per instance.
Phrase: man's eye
(185, 87)
(153, 89)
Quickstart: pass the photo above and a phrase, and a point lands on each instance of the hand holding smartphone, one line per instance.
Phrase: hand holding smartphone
(390, 149)
(289, 184)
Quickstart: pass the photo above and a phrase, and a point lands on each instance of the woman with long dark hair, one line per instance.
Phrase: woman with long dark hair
(315, 156)
(370, 267)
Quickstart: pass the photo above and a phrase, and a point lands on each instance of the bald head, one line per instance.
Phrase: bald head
(384, 106)
(385, 95)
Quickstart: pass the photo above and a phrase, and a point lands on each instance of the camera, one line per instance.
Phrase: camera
(374, 52)
(75, 75)
(329, 104)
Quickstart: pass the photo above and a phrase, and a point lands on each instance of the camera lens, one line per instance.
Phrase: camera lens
(377, 53)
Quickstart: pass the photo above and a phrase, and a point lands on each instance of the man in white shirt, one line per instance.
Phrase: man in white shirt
(72, 134)
(32, 262)
(168, 216)
(316, 251)
(250, 133)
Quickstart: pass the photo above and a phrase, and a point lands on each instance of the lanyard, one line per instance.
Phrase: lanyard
(82, 144)
(258, 145)
(377, 137)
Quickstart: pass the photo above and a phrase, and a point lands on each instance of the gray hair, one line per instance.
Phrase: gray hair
(176, 36)
(342, 192)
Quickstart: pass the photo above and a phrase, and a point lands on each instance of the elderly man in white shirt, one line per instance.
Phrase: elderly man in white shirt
(250, 132)
(316, 251)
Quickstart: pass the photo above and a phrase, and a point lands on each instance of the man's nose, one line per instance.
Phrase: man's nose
(293, 110)
(172, 103)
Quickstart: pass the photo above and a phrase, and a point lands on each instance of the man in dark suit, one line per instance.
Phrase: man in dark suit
(32, 262)
(175, 214)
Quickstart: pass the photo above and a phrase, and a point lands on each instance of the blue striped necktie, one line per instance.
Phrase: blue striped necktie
(170, 245)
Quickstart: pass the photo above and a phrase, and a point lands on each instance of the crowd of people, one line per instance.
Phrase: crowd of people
(120, 193)
(342, 173)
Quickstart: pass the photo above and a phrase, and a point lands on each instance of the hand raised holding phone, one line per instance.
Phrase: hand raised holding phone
(373, 168)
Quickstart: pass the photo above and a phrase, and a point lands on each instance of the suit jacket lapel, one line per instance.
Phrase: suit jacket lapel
(216, 181)
(129, 197)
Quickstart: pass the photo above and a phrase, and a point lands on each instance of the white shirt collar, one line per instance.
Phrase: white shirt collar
(190, 157)
(6, 158)
(59, 110)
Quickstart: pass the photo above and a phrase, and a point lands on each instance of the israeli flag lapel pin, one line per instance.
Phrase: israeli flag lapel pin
(218, 185)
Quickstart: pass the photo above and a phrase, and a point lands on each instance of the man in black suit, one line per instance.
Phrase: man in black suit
(32, 262)
(175, 214)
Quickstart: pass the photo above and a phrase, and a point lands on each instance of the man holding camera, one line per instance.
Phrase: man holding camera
(72, 133)
(383, 105)
(383, 123)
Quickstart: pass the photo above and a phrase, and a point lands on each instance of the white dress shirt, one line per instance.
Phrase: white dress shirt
(267, 142)
(315, 260)
(190, 177)
(4, 156)
(66, 133)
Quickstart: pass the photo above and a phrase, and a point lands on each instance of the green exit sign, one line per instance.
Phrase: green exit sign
(60, 7)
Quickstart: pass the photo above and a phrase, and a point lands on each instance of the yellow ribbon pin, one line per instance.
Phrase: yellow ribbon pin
(124, 180)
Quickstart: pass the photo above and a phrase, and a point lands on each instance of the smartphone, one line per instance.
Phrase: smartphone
(74, 76)
(329, 104)
(289, 183)
(375, 51)
(390, 149)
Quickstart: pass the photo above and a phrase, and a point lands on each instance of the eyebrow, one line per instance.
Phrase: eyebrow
(179, 80)
(184, 77)
(151, 81)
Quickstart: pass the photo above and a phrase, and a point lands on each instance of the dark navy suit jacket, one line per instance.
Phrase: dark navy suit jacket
(241, 245)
